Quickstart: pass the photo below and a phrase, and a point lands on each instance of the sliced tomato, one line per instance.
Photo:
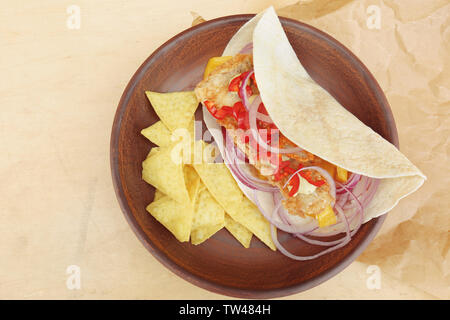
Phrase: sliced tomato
(262, 109)
(211, 107)
(223, 112)
(234, 84)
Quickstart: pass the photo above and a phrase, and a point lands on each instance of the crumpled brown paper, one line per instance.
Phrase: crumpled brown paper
(406, 46)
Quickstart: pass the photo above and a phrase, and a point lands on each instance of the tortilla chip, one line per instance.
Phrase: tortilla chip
(249, 215)
(158, 195)
(153, 151)
(158, 134)
(208, 217)
(176, 217)
(225, 190)
(219, 182)
(241, 233)
(175, 109)
(191, 128)
(164, 171)
(192, 181)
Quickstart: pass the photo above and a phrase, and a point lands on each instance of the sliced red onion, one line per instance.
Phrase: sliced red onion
(341, 199)
(299, 228)
(329, 243)
(350, 184)
(346, 240)
(243, 91)
(371, 191)
(359, 212)
(352, 204)
(361, 186)
(263, 185)
(283, 216)
(247, 49)
(370, 185)
(263, 117)
(303, 232)
(246, 101)
(241, 156)
(248, 183)
(282, 225)
(244, 177)
(360, 206)
(364, 191)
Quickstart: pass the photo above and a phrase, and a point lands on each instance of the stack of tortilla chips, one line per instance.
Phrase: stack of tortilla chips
(194, 197)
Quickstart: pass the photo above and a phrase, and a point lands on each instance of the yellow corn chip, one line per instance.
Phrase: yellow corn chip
(192, 181)
(153, 151)
(157, 133)
(176, 217)
(191, 128)
(208, 214)
(175, 109)
(249, 215)
(158, 195)
(225, 190)
(208, 217)
(164, 171)
(241, 233)
(220, 183)
(182, 140)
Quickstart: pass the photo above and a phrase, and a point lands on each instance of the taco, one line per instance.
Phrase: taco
(312, 168)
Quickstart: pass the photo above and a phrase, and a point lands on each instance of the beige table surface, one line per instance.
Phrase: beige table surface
(58, 93)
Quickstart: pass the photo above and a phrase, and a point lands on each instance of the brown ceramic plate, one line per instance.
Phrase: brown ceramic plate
(221, 264)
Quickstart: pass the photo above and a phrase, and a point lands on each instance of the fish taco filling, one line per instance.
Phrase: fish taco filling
(267, 159)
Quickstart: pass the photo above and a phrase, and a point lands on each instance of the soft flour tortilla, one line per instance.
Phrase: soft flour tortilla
(310, 117)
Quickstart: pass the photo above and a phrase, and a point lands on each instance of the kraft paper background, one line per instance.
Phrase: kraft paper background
(58, 94)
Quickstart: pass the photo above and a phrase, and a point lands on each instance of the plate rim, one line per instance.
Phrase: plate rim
(160, 256)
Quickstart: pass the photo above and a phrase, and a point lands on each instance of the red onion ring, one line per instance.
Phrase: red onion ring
(359, 212)
(243, 91)
(241, 156)
(372, 190)
(351, 204)
(263, 117)
(302, 232)
(327, 243)
(350, 184)
(282, 226)
(370, 184)
(247, 49)
(246, 102)
(273, 232)
(300, 228)
(245, 178)
(358, 190)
